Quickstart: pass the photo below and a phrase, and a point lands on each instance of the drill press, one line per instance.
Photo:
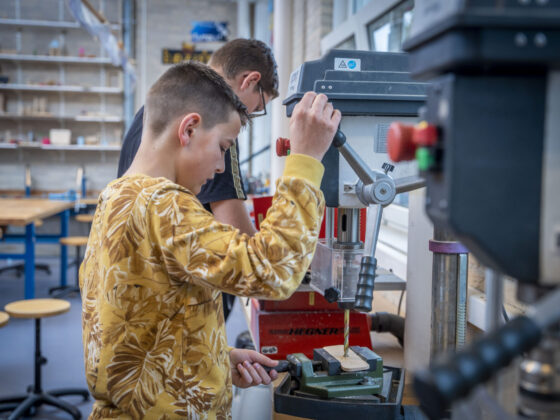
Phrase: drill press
(371, 90)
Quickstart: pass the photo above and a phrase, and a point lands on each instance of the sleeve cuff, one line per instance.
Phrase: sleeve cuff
(306, 167)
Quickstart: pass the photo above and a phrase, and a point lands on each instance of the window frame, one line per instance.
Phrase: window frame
(392, 245)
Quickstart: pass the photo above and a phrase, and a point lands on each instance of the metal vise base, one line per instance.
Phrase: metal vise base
(331, 382)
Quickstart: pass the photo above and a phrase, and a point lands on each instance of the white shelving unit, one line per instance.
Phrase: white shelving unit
(75, 87)
(78, 118)
(71, 147)
(74, 102)
(34, 23)
(54, 59)
(60, 88)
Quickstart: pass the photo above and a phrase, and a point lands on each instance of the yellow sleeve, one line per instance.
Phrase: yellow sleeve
(271, 264)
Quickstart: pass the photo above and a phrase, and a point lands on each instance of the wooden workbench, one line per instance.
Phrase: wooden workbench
(24, 212)
(91, 201)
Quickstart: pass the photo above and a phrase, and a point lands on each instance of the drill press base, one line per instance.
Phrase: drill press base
(385, 405)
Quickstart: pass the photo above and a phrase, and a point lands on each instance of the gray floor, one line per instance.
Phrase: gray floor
(61, 343)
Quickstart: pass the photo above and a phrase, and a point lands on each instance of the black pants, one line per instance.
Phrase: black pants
(228, 301)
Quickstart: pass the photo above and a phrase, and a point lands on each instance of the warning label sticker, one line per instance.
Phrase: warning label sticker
(347, 64)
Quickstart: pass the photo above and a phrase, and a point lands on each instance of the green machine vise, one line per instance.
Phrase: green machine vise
(324, 377)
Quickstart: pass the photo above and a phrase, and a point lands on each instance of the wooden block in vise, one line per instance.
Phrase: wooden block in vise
(352, 363)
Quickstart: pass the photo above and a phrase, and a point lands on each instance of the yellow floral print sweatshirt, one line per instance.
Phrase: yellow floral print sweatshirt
(151, 281)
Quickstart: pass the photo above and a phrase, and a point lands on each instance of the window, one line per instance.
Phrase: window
(388, 32)
(347, 44)
(358, 4)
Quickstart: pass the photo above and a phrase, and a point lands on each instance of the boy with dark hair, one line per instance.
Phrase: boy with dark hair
(248, 66)
(157, 261)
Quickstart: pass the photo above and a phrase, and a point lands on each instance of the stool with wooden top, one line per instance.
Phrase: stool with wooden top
(85, 218)
(4, 318)
(23, 404)
(78, 242)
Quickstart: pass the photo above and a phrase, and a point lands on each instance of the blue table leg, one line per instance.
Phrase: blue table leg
(64, 221)
(30, 261)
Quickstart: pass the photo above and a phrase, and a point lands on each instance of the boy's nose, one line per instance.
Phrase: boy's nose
(221, 167)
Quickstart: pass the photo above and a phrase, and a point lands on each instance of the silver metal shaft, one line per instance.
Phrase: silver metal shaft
(445, 275)
(494, 287)
(462, 290)
(329, 226)
(376, 229)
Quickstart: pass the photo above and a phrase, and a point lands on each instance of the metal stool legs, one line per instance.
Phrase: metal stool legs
(20, 268)
(36, 396)
(66, 290)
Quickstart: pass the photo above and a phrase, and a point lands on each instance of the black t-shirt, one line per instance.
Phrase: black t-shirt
(225, 186)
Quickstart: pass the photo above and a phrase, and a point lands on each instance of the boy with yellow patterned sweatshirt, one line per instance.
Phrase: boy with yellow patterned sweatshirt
(157, 261)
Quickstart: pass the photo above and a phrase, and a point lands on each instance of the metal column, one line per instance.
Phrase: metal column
(449, 288)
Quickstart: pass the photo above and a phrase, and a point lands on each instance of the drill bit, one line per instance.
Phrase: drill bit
(346, 330)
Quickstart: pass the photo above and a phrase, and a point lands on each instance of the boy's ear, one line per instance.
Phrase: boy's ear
(187, 127)
(249, 79)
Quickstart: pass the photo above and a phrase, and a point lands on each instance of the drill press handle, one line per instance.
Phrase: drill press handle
(444, 383)
(366, 283)
(447, 382)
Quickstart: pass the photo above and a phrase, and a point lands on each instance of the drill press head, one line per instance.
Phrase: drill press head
(371, 90)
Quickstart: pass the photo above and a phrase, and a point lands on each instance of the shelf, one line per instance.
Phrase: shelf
(78, 118)
(59, 88)
(72, 147)
(86, 118)
(48, 24)
(81, 148)
(55, 59)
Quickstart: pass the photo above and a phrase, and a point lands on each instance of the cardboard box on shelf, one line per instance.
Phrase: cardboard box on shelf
(92, 140)
(60, 136)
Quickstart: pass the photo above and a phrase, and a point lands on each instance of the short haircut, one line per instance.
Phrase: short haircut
(248, 55)
(191, 87)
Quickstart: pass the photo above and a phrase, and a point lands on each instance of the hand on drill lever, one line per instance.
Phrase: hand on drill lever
(313, 125)
(248, 368)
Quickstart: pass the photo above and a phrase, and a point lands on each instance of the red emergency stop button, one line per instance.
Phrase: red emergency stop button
(282, 146)
(399, 142)
(403, 140)
(425, 135)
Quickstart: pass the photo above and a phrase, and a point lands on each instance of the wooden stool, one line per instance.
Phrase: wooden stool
(84, 218)
(4, 318)
(78, 242)
(22, 404)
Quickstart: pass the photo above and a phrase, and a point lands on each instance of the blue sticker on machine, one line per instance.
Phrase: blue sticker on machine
(208, 31)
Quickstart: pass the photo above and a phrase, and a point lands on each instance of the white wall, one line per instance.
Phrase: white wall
(167, 24)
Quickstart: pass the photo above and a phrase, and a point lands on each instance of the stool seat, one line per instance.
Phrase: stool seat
(26, 404)
(4, 317)
(37, 308)
(74, 240)
(85, 218)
